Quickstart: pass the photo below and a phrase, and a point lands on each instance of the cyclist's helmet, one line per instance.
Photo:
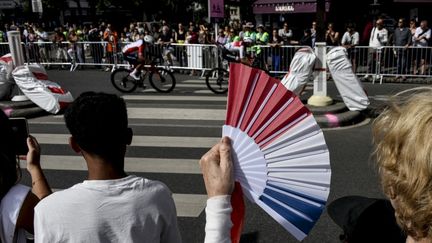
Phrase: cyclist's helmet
(148, 39)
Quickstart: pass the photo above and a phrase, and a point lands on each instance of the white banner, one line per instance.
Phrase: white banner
(37, 6)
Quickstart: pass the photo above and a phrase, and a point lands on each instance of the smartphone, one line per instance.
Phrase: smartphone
(20, 134)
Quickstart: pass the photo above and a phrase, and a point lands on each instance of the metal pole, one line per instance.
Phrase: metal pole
(319, 97)
(14, 39)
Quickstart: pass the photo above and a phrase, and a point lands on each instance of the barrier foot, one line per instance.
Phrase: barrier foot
(317, 100)
(19, 98)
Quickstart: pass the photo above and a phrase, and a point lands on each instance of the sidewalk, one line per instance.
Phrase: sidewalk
(25, 109)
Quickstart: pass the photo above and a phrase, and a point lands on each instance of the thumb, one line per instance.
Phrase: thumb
(225, 152)
(30, 142)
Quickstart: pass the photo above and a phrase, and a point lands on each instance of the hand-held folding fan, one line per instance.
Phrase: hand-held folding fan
(280, 156)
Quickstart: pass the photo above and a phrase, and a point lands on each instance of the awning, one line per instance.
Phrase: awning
(286, 6)
(413, 1)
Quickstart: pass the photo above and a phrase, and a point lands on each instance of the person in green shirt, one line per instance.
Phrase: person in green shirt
(262, 38)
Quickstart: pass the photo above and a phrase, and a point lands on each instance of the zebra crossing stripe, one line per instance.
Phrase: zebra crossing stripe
(194, 81)
(189, 205)
(142, 165)
(173, 98)
(172, 114)
(145, 141)
(169, 113)
(192, 85)
(203, 91)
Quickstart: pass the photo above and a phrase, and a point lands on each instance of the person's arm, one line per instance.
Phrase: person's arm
(344, 40)
(217, 169)
(26, 215)
(141, 51)
(409, 39)
(385, 37)
(335, 38)
(427, 35)
(371, 35)
(40, 185)
(417, 36)
(290, 33)
(356, 40)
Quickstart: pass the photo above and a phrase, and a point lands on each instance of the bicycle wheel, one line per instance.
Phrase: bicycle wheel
(121, 80)
(217, 80)
(162, 80)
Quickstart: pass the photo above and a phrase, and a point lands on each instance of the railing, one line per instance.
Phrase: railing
(374, 63)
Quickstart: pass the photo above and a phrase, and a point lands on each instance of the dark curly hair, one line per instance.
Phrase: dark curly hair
(99, 124)
(10, 172)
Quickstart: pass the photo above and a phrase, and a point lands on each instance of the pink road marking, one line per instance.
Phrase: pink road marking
(332, 119)
(8, 111)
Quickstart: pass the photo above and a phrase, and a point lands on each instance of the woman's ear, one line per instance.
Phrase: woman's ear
(73, 144)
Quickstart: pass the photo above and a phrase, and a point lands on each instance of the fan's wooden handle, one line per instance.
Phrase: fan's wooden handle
(238, 213)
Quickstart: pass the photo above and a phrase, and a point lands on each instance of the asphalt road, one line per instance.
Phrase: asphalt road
(353, 169)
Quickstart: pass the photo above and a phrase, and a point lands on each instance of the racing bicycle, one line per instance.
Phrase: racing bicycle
(160, 78)
(217, 78)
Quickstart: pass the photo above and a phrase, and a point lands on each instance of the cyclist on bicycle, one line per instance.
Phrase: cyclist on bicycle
(134, 53)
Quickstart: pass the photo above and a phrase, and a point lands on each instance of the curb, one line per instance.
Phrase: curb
(338, 115)
(25, 109)
(337, 107)
(347, 118)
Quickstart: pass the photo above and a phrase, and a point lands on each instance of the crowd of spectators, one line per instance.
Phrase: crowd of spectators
(240, 37)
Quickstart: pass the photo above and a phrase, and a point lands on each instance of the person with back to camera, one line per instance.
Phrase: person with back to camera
(402, 137)
(403, 151)
(17, 200)
(110, 206)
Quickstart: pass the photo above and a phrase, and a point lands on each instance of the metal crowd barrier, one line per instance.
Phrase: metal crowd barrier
(375, 63)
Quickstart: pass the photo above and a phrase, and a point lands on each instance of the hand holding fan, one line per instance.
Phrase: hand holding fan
(280, 156)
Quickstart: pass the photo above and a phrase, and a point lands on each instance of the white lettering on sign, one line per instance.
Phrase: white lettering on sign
(7, 5)
(284, 8)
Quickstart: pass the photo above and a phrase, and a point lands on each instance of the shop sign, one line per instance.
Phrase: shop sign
(284, 8)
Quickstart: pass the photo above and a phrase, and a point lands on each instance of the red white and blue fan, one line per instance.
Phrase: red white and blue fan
(280, 155)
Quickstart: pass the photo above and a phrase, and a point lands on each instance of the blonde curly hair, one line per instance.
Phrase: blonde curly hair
(403, 150)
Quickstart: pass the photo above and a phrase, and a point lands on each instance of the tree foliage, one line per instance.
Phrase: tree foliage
(172, 10)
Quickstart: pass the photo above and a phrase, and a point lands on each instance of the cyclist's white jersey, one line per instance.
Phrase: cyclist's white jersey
(137, 46)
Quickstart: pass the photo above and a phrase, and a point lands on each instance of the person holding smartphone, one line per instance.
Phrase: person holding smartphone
(18, 201)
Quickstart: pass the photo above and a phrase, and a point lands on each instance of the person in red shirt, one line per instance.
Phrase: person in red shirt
(134, 54)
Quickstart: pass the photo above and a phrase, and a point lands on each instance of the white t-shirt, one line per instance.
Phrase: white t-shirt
(10, 208)
(420, 32)
(130, 209)
(348, 39)
(378, 38)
